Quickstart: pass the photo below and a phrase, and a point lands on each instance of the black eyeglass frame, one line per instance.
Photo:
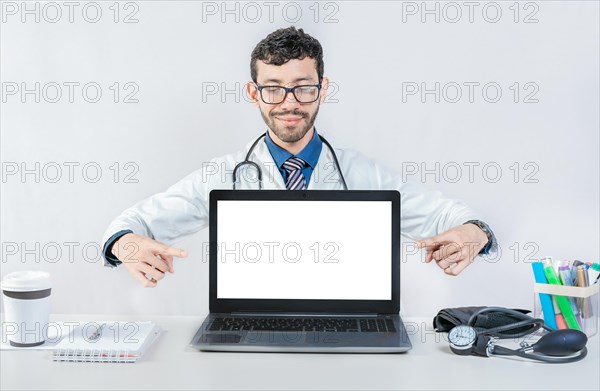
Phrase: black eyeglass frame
(287, 91)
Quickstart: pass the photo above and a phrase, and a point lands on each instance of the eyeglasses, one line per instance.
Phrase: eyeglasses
(274, 95)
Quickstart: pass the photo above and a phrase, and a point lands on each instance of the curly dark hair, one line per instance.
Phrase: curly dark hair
(286, 44)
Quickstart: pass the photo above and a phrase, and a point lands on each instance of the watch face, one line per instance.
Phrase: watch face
(462, 335)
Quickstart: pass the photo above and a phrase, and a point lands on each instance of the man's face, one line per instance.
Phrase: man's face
(289, 120)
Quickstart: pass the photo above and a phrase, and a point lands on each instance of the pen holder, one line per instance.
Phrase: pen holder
(582, 301)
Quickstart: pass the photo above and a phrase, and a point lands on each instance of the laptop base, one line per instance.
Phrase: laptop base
(302, 341)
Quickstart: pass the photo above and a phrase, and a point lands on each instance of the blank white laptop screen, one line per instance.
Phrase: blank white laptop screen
(321, 250)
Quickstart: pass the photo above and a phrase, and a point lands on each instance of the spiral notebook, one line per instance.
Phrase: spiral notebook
(106, 342)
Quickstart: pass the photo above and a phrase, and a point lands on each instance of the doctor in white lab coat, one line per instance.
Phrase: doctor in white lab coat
(141, 238)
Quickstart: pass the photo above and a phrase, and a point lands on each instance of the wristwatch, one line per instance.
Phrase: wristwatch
(491, 243)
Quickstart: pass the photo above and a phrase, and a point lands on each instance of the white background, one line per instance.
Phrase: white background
(175, 53)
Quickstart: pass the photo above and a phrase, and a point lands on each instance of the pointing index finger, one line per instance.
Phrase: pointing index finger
(432, 242)
(429, 243)
(174, 252)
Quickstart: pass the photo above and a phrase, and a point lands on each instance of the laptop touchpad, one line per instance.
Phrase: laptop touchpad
(221, 338)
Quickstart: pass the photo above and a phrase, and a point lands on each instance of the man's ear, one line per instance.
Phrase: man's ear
(252, 93)
(324, 87)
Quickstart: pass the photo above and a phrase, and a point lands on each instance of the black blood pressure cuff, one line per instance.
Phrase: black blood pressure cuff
(447, 318)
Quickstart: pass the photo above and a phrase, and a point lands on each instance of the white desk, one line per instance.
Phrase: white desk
(170, 364)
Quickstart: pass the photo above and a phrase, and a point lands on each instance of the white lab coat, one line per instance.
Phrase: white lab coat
(182, 209)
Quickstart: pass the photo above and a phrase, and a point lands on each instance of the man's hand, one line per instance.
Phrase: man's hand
(146, 259)
(454, 249)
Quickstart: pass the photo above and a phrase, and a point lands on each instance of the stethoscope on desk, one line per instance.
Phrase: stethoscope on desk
(556, 346)
(259, 171)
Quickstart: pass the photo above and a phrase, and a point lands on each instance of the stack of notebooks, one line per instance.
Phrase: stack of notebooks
(106, 342)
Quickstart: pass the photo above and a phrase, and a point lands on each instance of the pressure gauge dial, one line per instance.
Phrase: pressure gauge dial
(462, 339)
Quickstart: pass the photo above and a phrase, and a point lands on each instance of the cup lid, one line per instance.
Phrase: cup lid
(25, 281)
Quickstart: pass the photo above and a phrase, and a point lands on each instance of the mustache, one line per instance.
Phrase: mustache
(297, 113)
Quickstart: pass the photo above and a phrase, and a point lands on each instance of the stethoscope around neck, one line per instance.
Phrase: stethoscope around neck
(259, 171)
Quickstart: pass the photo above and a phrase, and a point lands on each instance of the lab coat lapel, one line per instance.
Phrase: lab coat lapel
(325, 175)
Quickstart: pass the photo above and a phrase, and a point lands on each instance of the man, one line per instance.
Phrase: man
(288, 87)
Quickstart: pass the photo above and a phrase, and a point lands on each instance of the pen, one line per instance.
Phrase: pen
(586, 308)
(98, 333)
(574, 271)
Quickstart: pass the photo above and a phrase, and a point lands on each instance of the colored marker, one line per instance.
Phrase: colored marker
(595, 273)
(545, 299)
(558, 318)
(594, 265)
(565, 277)
(563, 302)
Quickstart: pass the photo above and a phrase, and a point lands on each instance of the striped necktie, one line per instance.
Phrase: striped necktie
(295, 178)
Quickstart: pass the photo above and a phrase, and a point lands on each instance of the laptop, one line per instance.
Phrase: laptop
(304, 271)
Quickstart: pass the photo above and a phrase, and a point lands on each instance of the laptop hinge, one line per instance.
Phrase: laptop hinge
(307, 314)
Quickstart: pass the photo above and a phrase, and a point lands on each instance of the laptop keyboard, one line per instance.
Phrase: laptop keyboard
(378, 325)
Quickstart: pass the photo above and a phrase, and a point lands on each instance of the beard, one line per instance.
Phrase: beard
(290, 134)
